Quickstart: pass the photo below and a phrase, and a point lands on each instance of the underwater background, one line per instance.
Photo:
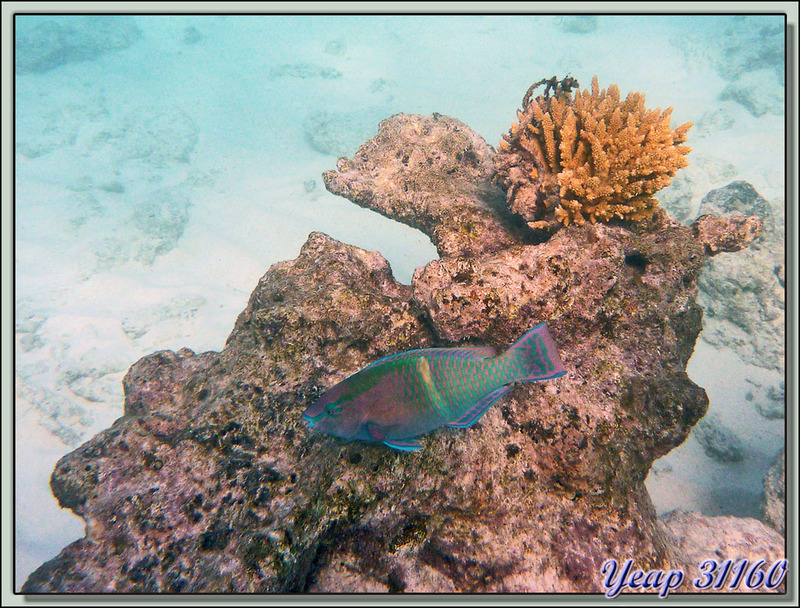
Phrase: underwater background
(163, 163)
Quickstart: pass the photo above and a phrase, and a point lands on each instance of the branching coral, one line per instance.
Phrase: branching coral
(588, 156)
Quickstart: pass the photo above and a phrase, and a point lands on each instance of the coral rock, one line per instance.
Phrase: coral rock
(744, 295)
(212, 482)
(774, 505)
(698, 538)
(590, 157)
(432, 173)
(727, 234)
(737, 198)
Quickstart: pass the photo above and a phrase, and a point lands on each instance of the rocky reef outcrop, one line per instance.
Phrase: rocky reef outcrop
(744, 295)
(211, 481)
(697, 538)
(433, 175)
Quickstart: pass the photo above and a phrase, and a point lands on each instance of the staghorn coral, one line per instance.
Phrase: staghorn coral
(588, 156)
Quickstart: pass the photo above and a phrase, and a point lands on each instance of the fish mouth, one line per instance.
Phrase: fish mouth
(313, 420)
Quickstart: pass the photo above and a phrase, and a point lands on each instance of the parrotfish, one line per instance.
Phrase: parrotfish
(400, 397)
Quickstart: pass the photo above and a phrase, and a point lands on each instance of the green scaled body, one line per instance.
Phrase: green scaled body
(400, 397)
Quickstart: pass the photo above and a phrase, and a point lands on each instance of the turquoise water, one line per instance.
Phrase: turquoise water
(164, 162)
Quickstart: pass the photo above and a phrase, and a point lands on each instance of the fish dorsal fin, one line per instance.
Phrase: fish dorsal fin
(482, 352)
(478, 352)
(471, 416)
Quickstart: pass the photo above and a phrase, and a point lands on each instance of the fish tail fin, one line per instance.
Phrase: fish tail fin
(535, 356)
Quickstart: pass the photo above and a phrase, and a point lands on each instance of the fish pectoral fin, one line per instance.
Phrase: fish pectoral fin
(405, 445)
(471, 416)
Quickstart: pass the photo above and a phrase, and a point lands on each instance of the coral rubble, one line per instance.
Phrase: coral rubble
(589, 156)
(212, 482)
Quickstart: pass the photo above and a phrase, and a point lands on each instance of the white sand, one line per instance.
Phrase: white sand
(687, 478)
(84, 314)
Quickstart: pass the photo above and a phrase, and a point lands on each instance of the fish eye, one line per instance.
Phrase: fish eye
(333, 408)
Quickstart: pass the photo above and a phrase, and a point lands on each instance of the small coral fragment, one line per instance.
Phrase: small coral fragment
(591, 156)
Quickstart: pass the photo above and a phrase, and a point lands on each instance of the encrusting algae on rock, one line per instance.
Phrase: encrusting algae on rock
(589, 156)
